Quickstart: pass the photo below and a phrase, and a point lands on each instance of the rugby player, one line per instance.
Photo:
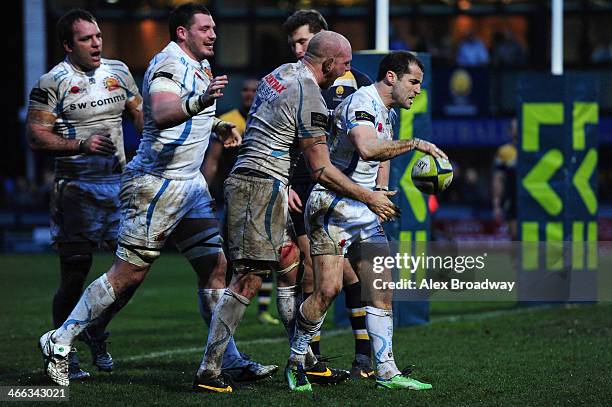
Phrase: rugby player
(163, 193)
(75, 114)
(361, 140)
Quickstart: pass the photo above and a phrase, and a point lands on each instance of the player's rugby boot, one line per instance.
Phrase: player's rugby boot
(362, 368)
(55, 358)
(323, 375)
(296, 378)
(213, 385)
(267, 319)
(401, 382)
(74, 370)
(246, 370)
(97, 345)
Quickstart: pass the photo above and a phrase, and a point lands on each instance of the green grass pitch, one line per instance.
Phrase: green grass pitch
(473, 354)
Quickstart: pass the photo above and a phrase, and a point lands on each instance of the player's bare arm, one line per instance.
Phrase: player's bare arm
(382, 178)
(168, 110)
(40, 136)
(324, 172)
(133, 107)
(371, 148)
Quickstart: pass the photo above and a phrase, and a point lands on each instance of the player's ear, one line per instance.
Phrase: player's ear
(327, 65)
(67, 47)
(391, 77)
(181, 33)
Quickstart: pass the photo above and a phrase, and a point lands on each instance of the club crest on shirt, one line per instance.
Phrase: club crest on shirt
(208, 72)
(340, 91)
(111, 83)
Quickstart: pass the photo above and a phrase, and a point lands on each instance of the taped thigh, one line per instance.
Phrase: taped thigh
(205, 243)
(259, 268)
(137, 255)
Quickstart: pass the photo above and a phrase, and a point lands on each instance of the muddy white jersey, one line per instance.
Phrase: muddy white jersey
(362, 108)
(87, 103)
(288, 106)
(176, 152)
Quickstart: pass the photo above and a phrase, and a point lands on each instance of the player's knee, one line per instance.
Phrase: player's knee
(328, 293)
(289, 255)
(72, 259)
(246, 285)
(137, 256)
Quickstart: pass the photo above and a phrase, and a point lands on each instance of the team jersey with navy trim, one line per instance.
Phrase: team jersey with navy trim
(362, 108)
(342, 88)
(87, 103)
(176, 152)
(288, 106)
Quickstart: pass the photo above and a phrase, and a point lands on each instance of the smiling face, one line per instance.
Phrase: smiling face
(85, 52)
(407, 87)
(299, 39)
(199, 38)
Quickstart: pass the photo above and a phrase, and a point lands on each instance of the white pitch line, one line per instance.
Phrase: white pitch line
(262, 341)
(336, 332)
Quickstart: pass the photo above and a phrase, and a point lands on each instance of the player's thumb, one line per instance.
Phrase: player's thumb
(390, 193)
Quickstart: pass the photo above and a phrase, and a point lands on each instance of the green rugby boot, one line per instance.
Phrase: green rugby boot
(296, 378)
(401, 382)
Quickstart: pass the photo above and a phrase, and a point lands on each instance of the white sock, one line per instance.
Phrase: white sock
(95, 299)
(227, 315)
(288, 300)
(207, 301)
(379, 323)
(304, 331)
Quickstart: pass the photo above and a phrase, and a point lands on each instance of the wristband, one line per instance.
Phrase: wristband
(216, 123)
(192, 106)
(381, 188)
(417, 143)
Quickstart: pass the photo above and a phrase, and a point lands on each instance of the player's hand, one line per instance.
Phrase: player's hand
(229, 134)
(429, 148)
(214, 91)
(295, 203)
(98, 144)
(380, 204)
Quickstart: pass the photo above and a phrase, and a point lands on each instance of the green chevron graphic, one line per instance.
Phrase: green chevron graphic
(583, 113)
(535, 114)
(536, 182)
(413, 195)
(581, 181)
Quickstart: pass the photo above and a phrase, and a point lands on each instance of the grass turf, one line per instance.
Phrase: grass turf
(525, 356)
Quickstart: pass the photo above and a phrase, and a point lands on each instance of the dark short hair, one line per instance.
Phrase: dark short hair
(64, 24)
(312, 18)
(398, 62)
(181, 17)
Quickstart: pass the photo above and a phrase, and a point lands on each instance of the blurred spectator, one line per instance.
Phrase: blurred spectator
(506, 50)
(504, 194)
(399, 38)
(602, 51)
(472, 51)
(473, 192)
